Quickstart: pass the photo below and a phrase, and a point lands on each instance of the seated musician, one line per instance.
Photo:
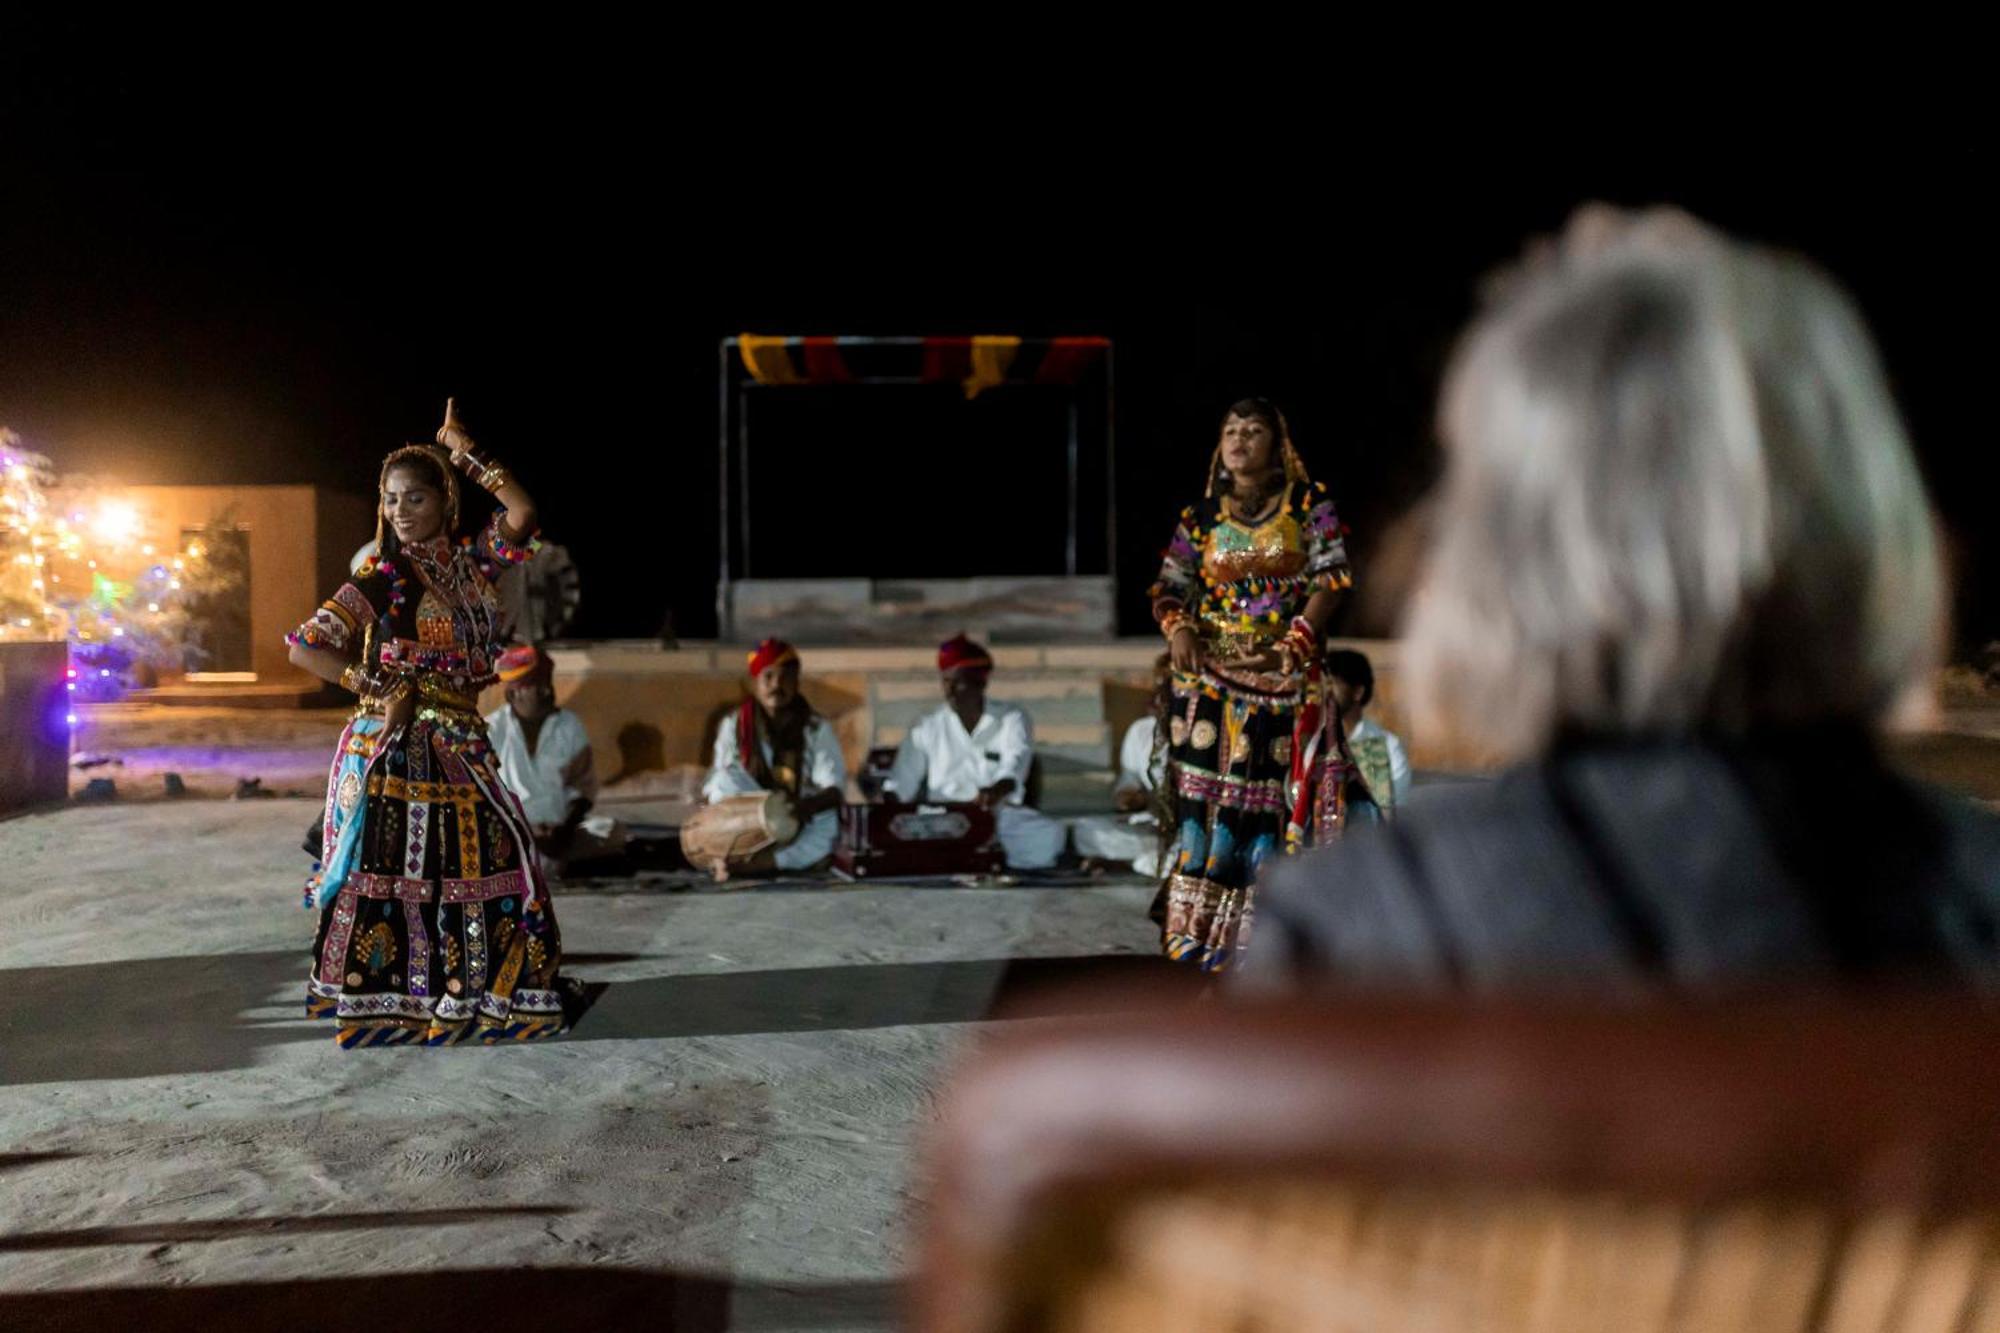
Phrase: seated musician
(973, 750)
(776, 742)
(1378, 754)
(544, 757)
(1132, 836)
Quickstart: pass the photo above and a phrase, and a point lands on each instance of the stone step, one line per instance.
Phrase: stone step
(1021, 688)
(1058, 736)
(1042, 713)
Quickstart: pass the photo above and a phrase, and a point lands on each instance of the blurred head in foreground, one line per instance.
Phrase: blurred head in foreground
(1678, 501)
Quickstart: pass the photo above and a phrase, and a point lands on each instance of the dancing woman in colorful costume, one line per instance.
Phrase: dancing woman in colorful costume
(1248, 584)
(435, 922)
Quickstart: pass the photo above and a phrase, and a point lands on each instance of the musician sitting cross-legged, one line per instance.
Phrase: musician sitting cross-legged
(773, 743)
(973, 749)
(1132, 836)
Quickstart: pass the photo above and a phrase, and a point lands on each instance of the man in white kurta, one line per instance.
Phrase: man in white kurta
(544, 757)
(821, 776)
(1131, 836)
(971, 748)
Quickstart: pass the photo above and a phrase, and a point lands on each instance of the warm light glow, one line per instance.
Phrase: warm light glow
(116, 521)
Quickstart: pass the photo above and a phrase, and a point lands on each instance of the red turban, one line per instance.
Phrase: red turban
(962, 654)
(521, 661)
(770, 653)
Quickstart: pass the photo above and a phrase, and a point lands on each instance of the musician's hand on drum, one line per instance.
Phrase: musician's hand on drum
(826, 798)
(1185, 649)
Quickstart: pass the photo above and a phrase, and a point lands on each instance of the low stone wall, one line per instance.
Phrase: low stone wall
(34, 732)
(649, 708)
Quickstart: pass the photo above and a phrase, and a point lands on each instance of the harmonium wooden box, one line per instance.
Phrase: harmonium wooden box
(892, 838)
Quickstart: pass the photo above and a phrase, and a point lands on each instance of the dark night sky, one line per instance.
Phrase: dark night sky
(273, 271)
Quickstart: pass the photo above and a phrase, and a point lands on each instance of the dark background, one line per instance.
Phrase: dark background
(241, 256)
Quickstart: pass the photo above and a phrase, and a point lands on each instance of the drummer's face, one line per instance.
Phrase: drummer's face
(776, 686)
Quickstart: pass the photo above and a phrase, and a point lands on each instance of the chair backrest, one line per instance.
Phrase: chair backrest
(1772, 1164)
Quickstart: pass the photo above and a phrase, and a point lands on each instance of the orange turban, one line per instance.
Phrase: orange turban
(770, 653)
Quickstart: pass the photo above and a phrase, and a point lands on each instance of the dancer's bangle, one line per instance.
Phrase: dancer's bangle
(488, 472)
(1173, 622)
(1298, 646)
(374, 683)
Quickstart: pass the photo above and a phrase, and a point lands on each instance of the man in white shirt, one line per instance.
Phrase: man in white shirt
(1379, 754)
(544, 755)
(1132, 836)
(775, 742)
(972, 749)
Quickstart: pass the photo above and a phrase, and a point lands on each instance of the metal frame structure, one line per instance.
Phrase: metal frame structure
(735, 385)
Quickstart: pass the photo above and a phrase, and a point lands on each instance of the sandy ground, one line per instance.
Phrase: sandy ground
(725, 1137)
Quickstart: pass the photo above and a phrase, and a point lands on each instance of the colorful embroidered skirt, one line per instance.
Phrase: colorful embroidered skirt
(1230, 746)
(435, 924)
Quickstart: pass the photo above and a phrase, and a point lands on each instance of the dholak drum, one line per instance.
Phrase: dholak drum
(738, 827)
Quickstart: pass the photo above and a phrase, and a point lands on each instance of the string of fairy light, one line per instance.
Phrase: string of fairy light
(79, 566)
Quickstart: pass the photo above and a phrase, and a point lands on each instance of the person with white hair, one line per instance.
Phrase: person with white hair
(1685, 574)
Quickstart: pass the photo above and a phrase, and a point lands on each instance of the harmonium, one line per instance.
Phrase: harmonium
(892, 838)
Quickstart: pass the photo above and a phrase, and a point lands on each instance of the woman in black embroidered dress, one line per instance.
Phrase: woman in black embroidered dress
(435, 921)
